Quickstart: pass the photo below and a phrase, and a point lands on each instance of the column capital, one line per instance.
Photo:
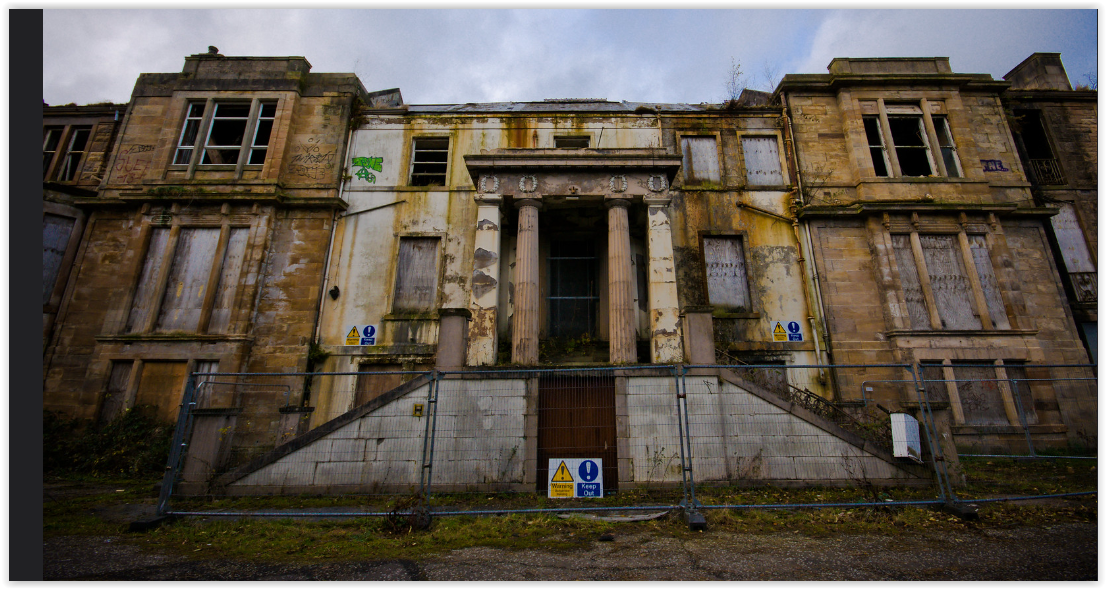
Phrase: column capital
(616, 201)
(489, 199)
(529, 202)
(657, 201)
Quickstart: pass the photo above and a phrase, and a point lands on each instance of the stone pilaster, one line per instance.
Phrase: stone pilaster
(619, 283)
(664, 310)
(483, 341)
(524, 337)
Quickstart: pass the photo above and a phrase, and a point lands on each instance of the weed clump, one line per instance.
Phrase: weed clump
(135, 444)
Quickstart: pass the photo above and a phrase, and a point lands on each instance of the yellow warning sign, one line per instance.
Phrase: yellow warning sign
(562, 476)
(779, 334)
(561, 490)
(352, 339)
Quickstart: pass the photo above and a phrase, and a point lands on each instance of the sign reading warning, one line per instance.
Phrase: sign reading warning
(793, 332)
(571, 478)
(361, 335)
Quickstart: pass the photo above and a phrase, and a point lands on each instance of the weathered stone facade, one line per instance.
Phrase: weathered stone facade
(205, 242)
(880, 211)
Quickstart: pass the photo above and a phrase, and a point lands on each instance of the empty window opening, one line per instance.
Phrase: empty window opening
(948, 148)
(228, 129)
(50, 147)
(876, 146)
(911, 145)
(430, 161)
(572, 142)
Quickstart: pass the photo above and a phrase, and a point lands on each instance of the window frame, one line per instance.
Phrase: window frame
(928, 116)
(437, 273)
(148, 324)
(981, 308)
(67, 134)
(205, 126)
(686, 158)
(414, 161)
(742, 238)
(950, 389)
(781, 167)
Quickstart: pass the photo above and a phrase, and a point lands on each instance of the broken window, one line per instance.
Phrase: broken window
(174, 291)
(897, 138)
(700, 160)
(727, 282)
(1033, 140)
(234, 131)
(948, 286)
(430, 161)
(911, 145)
(64, 148)
(762, 161)
(572, 142)
(416, 286)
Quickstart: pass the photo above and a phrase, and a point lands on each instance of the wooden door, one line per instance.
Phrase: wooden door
(576, 419)
(162, 386)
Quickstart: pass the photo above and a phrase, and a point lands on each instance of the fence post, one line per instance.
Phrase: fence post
(176, 451)
(426, 462)
(931, 434)
(1021, 417)
(694, 519)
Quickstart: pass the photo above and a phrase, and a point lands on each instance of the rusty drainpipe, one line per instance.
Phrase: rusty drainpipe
(812, 288)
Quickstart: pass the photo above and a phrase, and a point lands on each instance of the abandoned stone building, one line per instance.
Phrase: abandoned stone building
(253, 217)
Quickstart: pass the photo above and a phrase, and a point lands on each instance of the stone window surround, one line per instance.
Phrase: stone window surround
(978, 301)
(928, 112)
(177, 223)
(995, 357)
(284, 103)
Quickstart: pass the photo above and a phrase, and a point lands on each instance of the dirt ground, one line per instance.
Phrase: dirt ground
(1065, 550)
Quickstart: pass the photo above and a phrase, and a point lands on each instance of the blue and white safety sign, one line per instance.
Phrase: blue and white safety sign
(361, 335)
(571, 478)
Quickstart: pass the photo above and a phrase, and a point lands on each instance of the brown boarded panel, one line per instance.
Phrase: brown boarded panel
(188, 279)
(911, 285)
(1022, 391)
(952, 293)
(376, 380)
(161, 387)
(416, 274)
(116, 394)
(979, 395)
(146, 290)
(228, 280)
(576, 419)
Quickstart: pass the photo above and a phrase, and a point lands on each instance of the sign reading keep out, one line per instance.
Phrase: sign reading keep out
(573, 478)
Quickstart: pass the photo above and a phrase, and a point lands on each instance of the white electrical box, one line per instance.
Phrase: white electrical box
(904, 435)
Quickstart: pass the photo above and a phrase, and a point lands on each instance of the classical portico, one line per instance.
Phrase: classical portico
(557, 281)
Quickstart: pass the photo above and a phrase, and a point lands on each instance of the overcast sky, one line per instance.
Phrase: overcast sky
(455, 56)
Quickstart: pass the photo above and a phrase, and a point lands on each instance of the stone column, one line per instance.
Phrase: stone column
(484, 330)
(619, 283)
(664, 308)
(524, 337)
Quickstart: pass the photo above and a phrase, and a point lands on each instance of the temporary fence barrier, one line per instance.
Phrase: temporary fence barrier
(427, 442)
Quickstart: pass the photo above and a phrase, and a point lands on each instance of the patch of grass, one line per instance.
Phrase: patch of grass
(133, 445)
(989, 477)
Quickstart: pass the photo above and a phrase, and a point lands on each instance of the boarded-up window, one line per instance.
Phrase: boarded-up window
(952, 292)
(375, 380)
(55, 239)
(1021, 391)
(1073, 245)
(762, 161)
(727, 282)
(228, 281)
(206, 393)
(979, 395)
(144, 302)
(161, 387)
(188, 279)
(911, 286)
(115, 396)
(936, 388)
(700, 160)
(416, 274)
(986, 271)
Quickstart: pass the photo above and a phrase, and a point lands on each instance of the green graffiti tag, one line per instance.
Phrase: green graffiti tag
(366, 164)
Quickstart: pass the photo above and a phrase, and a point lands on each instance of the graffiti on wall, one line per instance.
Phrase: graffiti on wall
(314, 160)
(366, 164)
(132, 163)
